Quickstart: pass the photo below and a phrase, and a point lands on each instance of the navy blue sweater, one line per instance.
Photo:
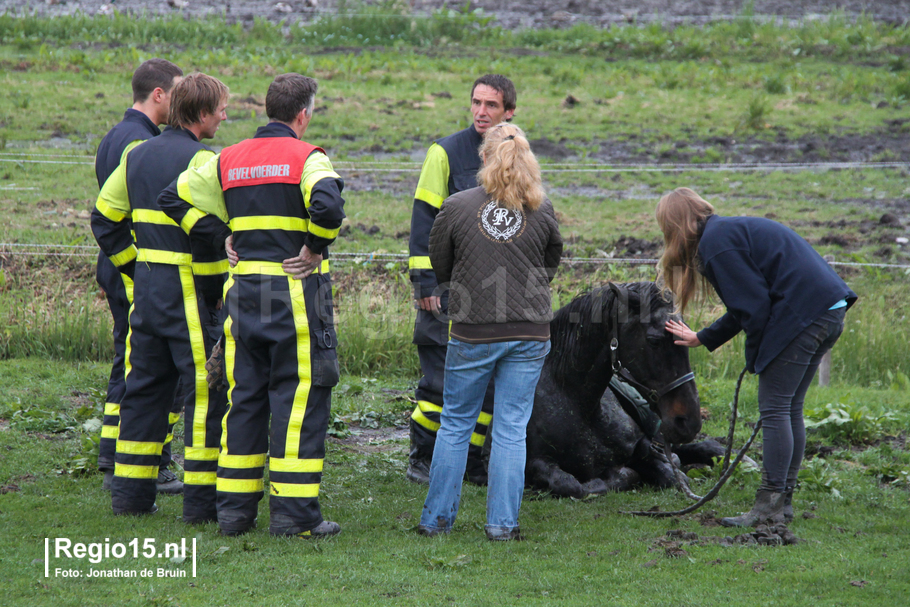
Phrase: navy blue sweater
(773, 283)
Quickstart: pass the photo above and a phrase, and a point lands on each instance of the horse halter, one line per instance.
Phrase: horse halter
(652, 395)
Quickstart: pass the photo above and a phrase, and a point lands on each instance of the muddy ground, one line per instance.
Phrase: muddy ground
(511, 14)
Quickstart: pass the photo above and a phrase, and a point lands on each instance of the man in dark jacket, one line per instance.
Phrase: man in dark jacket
(177, 291)
(450, 167)
(152, 84)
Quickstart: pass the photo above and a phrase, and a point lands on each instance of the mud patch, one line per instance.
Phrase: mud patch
(676, 540)
(373, 440)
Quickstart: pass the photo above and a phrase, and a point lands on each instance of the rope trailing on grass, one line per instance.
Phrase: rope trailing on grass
(726, 469)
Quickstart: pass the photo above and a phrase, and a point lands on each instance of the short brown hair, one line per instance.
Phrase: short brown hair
(195, 94)
(501, 84)
(153, 74)
(288, 95)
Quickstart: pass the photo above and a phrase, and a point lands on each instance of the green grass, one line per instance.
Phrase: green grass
(577, 552)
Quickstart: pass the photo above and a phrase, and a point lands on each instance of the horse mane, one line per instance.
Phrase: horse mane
(593, 308)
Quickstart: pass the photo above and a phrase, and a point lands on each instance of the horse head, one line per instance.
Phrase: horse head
(644, 355)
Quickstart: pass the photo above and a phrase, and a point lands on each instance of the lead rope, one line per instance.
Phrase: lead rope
(726, 469)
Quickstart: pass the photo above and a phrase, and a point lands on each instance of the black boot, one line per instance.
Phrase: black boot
(788, 497)
(768, 509)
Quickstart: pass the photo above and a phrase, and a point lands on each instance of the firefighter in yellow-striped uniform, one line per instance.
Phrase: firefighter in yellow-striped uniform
(450, 167)
(173, 318)
(282, 200)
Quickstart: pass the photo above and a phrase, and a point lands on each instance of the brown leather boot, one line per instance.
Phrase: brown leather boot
(768, 509)
(788, 498)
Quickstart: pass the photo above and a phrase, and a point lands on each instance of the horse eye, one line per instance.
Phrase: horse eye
(655, 341)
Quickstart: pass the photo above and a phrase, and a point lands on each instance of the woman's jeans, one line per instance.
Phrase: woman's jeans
(782, 388)
(515, 366)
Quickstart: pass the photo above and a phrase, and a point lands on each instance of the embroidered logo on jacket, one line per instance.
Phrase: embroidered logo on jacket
(499, 223)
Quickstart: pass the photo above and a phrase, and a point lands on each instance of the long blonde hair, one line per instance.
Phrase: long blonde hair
(679, 215)
(510, 174)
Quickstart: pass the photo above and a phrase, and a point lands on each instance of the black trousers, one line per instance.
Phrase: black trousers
(281, 365)
(171, 334)
(431, 336)
(118, 290)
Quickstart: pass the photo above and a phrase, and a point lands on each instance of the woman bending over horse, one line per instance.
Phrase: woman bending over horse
(787, 300)
(497, 246)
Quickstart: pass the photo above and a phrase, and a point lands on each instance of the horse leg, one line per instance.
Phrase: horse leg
(654, 468)
(704, 453)
(616, 479)
(547, 476)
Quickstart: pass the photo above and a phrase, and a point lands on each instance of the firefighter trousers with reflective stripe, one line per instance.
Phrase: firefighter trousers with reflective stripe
(171, 334)
(428, 333)
(111, 282)
(281, 364)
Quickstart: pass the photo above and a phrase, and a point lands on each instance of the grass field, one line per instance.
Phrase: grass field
(683, 102)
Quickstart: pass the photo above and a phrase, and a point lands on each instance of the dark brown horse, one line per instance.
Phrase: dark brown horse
(580, 440)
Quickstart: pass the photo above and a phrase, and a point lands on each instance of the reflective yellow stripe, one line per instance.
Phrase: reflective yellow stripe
(129, 471)
(484, 419)
(128, 286)
(421, 419)
(428, 407)
(150, 216)
(125, 256)
(271, 268)
(268, 222)
(110, 431)
(138, 448)
(477, 439)
(169, 437)
(112, 408)
(230, 349)
(210, 268)
(168, 257)
(183, 187)
(239, 485)
(201, 454)
(315, 230)
(173, 418)
(241, 461)
(313, 179)
(302, 393)
(110, 212)
(197, 345)
(200, 478)
(190, 219)
(280, 464)
(431, 198)
(419, 263)
(294, 490)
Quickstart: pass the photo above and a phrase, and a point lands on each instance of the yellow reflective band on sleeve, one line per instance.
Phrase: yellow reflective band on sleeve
(419, 263)
(477, 439)
(190, 219)
(431, 198)
(484, 418)
(268, 222)
(280, 464)
(245, 462)
(294, 490)
(110, 431)
(110, 212)
(183, 187)
(211, 268)
(138, 448)
(197, 347)
(168, 257)
(150, 216)
(302, 393)
(201, 454)
(173, 418)
(239, 485)
(313, 178)
(428, 407)
(112, 408)
(315, 230)
(270, 268)
(140, 472)
(125, 256)
(200, 478)
(421, 419)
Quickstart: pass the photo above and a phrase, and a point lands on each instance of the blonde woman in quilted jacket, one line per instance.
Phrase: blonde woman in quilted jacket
(496, 248)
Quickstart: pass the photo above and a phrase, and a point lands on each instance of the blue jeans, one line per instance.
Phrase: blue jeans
(515, 366)
(782, 388)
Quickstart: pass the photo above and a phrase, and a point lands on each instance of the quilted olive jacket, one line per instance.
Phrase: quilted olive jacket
(497, 263)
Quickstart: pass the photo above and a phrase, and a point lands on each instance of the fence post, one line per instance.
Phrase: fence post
(824, 369)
